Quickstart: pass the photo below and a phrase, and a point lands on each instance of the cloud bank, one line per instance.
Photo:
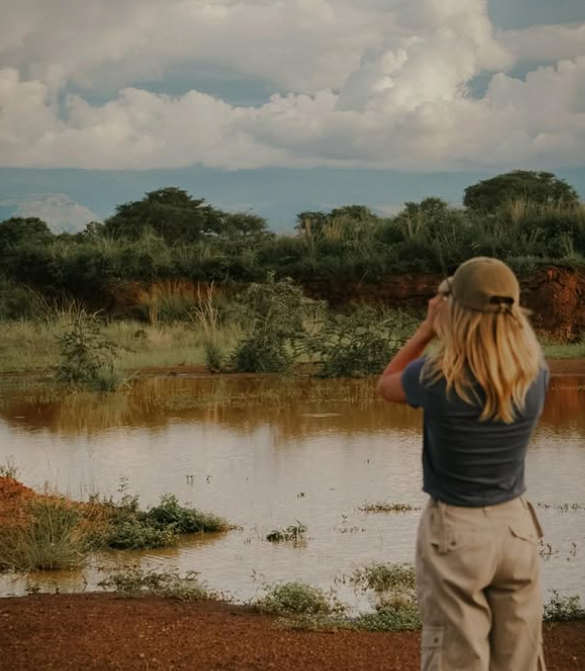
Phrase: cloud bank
(371, 83)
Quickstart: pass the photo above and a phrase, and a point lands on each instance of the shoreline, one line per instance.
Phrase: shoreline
(561, 367)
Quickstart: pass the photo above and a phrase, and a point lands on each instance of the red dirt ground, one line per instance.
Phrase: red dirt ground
(98, 632)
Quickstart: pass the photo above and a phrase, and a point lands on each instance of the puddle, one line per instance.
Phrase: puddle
(264, 453)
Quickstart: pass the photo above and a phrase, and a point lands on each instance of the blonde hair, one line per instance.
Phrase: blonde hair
(497, 351)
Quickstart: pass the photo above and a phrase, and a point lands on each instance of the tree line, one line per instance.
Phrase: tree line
(525, 217)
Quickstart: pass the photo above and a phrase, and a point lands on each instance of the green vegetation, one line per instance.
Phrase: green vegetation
(134, 582)
(273, 317)
(167, 275)
(29, 346)
(558, 351)
(563, 608)
(52, 536)
(128, 527)
(541, 188)
(88, 359)
(46, 532)
(170, 238)
(359, 343)
(296, 598)
(295, 532)
(385, 579)
(382, 507)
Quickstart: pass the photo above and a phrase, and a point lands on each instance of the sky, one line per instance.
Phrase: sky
(278, 106)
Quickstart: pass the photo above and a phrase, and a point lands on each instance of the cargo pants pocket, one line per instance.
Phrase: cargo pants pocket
(432, 648)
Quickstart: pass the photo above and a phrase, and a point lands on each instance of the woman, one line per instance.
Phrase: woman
(482, 390)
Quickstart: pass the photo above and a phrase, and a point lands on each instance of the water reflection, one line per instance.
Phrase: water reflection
(294, 407)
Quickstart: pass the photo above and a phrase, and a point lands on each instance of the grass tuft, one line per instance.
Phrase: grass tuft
(382, 507)
(296, 598)
(50, 536)
(295, 532)
(134, 582)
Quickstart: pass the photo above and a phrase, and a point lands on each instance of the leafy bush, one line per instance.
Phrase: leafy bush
(394, 596)
(358, 344)
(381, 578)
(160, 526)
(295, 598)
(134, 534)
(169, 514)
(87, 357)
(563, 608)
(272, 313)
(402, 618)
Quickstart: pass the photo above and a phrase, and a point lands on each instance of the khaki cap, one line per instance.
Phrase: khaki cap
(483, 284)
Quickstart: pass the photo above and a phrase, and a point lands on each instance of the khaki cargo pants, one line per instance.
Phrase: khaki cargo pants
(478, 588)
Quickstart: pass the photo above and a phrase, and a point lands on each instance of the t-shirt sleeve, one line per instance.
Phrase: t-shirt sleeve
(544, 382)
(414, 390)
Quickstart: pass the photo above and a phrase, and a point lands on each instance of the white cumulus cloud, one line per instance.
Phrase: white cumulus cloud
(372, 83)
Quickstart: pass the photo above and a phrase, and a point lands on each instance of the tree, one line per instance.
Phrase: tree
(170, 212)
(313, 223)
(429, 208)
(536, 187)
(17, 231)
(243, 225)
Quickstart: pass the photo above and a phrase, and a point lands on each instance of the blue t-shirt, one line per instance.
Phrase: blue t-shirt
(467, 462)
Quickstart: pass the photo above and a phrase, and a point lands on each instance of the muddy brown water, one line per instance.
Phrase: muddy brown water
(266, 453)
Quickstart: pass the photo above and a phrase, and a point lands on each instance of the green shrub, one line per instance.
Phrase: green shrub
(273, 315)
(160, 526)
(563, 608)
(295, 598)
(169, 514)
(134, 534)
(87, 357)
(397, 618)
(358, 344)
(381, 578)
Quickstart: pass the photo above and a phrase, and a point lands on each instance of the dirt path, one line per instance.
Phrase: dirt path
(97, 632)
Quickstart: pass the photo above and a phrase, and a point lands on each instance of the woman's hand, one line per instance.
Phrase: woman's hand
(390, 383)
(427, 328)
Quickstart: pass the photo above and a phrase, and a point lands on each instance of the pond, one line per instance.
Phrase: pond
(266, 453)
